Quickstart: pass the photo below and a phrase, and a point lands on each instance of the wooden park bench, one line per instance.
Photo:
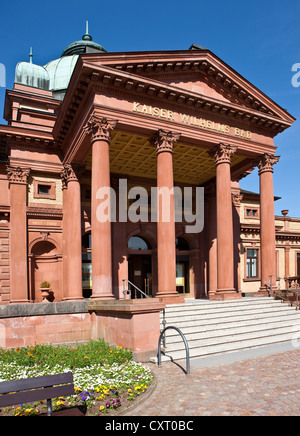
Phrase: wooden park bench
(39, 388)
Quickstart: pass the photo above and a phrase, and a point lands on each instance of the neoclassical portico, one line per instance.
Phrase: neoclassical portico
(156, 120)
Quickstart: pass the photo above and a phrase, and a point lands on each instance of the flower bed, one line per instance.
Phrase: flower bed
(105, 378)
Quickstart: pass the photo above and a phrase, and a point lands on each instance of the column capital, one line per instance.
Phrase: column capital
(266, 162)
(237, 197)
(222, 153)
(17, 175)
(68, 174)
(99, 127)
(164, 141)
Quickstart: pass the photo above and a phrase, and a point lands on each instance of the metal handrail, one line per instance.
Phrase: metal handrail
(188, 371)
(136, 289)
(291, 290)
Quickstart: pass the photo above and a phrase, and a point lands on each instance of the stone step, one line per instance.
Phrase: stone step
(227, 314)
(248, 318)
(218, 331)
(222, 327)
(215, 350)
(202, 339)
(220, 304)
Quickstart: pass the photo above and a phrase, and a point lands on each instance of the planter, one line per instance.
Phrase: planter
(46, 293)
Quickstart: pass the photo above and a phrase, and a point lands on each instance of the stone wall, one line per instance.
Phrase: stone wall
(30, 324)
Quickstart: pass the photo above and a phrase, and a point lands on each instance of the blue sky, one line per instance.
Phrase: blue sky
(259, 39)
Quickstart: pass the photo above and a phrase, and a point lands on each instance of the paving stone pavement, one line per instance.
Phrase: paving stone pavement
(263, 386)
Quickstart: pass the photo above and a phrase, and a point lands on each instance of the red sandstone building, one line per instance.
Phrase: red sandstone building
(155, 119)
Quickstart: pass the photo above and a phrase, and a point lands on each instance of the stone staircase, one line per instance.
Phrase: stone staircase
(217, 327)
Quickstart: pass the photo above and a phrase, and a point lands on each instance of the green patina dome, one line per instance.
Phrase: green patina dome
(56, 75)
(86, 45)
(60, 70)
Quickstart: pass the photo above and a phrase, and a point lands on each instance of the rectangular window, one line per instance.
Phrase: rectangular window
(44, 189)
(251, 213)
(252, 263)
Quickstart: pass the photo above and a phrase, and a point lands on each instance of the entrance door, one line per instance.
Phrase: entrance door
(182, 275)
(140, 273)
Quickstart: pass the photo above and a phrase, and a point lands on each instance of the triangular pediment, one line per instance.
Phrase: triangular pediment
(199, 72)
(190, 81)
(201, 84)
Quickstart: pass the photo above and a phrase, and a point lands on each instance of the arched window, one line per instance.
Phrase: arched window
(182, 244)
(138, 243)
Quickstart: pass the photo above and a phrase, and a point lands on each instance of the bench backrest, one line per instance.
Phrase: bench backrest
(36, 389)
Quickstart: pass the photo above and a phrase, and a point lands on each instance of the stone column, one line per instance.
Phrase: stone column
(166, 247)
(99, 129)
(72, 287)
(225, 252)
(18, 180)
(267, 221)
(212, 243)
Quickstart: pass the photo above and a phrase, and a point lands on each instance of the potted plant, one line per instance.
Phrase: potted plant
(45, 288)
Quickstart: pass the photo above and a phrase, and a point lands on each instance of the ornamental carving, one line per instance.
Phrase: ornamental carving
(164, 141)
(237, 197)
(266, 163)
(99, 127)
(222, 153)
(68, 174)
(18, 175)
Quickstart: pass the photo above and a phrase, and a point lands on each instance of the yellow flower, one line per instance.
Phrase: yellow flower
(60, 403)
(101, 407)
(85, 357)
(130, 390)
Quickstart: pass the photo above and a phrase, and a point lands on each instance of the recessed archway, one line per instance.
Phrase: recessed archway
(45, 265)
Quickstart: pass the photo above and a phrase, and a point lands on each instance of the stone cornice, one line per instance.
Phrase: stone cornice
(203, 61)
(28, 137)
(44, 212)
(89, 78)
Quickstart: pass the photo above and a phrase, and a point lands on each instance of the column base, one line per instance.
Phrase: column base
(73, 299)
(225, 294)
(19, 302)
(103, 297)
(264, 291)
(170, 298)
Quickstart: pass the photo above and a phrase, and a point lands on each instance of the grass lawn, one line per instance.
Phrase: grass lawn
(106, 378)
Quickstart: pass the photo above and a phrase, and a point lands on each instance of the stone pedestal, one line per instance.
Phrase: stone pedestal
(132, 324)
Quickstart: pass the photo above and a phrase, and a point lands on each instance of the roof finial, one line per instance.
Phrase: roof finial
(87, 36)
(30, 55)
